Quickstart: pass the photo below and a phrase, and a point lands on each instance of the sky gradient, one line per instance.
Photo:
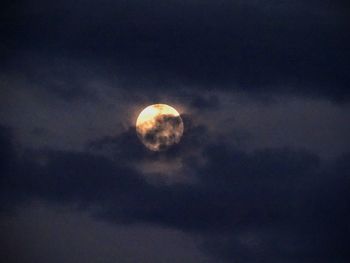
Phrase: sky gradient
(262, 173)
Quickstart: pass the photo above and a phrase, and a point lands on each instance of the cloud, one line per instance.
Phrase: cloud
(257, 47)
(7, 153)
(165, 132)
(272, 204)
(73, 72)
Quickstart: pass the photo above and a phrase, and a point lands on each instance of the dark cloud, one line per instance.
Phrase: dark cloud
(8, 161)
(166, 132)
(127, 147)
(256, 47)
(7, 152)
(77, 71)
(269, 205)
(201, 102)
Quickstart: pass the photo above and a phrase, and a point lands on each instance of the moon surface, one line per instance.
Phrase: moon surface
(159, 126)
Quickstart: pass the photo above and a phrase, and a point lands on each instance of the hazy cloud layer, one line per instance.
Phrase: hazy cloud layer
(262, 171)
(257, 47)
(274, 204)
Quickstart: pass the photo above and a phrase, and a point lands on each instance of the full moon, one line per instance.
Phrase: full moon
(159, 126)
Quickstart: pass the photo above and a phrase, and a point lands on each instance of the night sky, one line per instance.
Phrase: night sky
(261, 174)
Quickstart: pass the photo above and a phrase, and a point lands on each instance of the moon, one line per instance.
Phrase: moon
(159, 126)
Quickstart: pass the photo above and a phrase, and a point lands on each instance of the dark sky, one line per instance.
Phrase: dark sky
(261, 175)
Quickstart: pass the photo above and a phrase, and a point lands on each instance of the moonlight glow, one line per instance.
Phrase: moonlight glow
(159, 126)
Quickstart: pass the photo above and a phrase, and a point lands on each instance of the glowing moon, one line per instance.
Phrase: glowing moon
(159, 126)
